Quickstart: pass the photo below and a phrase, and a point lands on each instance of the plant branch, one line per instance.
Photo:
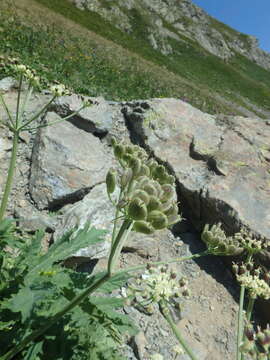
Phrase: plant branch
(171, 261)
(18, 102)
(11, 170)
(6, 109)
(166, 313)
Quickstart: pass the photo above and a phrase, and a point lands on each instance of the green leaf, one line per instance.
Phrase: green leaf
(33, 351)
(64, 248)
(22, 303)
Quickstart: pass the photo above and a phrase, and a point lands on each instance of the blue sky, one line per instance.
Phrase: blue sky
(248, 16)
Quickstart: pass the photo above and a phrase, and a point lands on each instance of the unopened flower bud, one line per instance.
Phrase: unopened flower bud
(125, 178)
(186, 292)
(113, 141)
(135, 165)
(143, 227)
(182, 282)
(153, 203)
(141, 194)
(235, 268)
(157, 219)
(168, 192)
(137, 209)
(118, 151)
(144, 171)
(111, 181)
(150, 189)
(174, 219)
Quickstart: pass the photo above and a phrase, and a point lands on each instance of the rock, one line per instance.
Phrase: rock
(30, 219)
(138, 344)
(217, 162)
(96, 209)
(66, 163)
(96, 119)
(7, 84)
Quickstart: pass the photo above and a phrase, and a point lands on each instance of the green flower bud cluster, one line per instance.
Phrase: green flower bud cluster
(256, 343)
(148, 193)
(249, 242)
(158, 284)
(217, 242)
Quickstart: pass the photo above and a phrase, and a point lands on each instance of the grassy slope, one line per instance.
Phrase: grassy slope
(95, 58)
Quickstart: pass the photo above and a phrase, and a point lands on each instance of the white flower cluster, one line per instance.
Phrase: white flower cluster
(27, 73)
(158, 283)
(59, 90)
(257, 287)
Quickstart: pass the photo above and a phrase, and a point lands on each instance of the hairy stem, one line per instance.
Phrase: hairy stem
(114, 250)
(11, 170)
(166, 313)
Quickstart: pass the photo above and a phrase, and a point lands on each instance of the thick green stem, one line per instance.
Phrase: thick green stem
(240, 323)
(78, 299)
(114, 250)
(166, 313)
(11, 170)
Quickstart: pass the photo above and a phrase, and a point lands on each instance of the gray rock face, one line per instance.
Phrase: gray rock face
(184, 18)
(95, 119)
(222, 168)
(221, 164)
(96, 209)
(66, 163)
(7, 84)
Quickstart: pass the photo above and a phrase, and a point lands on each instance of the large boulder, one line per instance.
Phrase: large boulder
(66, 163)
(221, 162)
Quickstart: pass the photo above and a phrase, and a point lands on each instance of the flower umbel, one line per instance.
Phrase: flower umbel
(256, 286)
(158, 284)
(59, 90)
(148, 195)
(217, 242)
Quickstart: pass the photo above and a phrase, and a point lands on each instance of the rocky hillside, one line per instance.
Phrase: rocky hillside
(139, 50)
(164, 22)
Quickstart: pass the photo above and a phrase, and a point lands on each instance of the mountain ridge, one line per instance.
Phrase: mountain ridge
(176, 19)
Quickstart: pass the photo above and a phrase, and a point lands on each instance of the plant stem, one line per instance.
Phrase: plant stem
(240, 323)
(79, 298)
(18, 103)
(11, 169)
(251, 302)
(112, 258)
(154, 263)
(166, 313)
